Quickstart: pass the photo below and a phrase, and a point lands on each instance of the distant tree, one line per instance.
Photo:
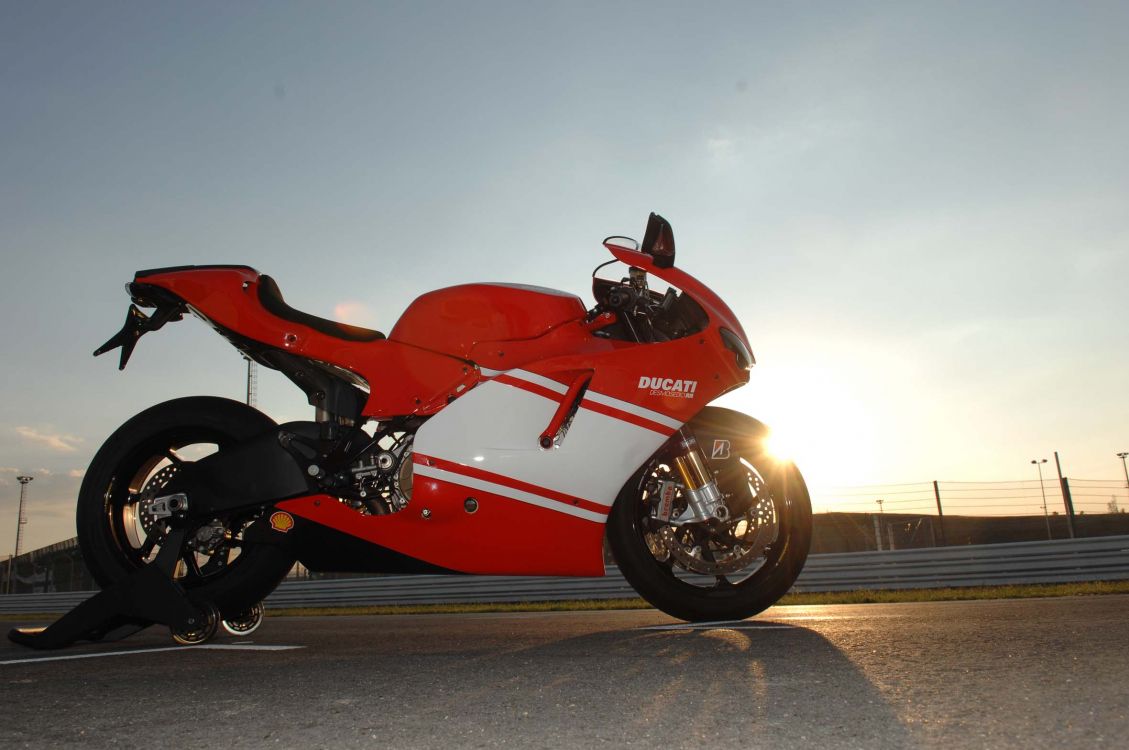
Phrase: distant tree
(1112, 506)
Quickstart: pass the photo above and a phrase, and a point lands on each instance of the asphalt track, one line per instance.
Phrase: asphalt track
(1047, 673)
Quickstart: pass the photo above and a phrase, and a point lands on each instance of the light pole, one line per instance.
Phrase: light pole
(1122, 456)
(252, 382)
(21, 520)
(1067, 501)
(878, 526)
(1039, 465)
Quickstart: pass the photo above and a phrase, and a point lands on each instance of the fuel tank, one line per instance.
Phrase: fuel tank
(452, 320)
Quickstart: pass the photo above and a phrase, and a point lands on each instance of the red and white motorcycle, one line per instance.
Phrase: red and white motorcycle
(497, 429)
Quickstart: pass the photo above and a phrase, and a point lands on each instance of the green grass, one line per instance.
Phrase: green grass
(1030, 591)
(426, 609)
(808, 599)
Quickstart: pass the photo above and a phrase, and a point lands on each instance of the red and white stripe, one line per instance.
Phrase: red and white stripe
(508, 487)
(488, 441)
(593, 401)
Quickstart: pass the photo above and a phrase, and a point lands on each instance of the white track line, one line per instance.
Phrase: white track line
(206, 646)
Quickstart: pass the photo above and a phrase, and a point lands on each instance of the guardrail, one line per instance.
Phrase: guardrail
(1059, 561)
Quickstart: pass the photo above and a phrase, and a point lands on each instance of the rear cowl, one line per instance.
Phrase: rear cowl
(452, 320)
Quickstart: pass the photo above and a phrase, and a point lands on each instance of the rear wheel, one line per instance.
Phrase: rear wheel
(117, 534)
(730, 567)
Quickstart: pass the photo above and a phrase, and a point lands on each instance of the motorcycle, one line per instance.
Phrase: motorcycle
(496, 429)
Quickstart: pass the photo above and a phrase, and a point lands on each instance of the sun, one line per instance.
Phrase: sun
(816, 421)
(782, 445)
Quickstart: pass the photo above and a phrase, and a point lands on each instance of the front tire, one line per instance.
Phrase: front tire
(682, 570)
(117, 536)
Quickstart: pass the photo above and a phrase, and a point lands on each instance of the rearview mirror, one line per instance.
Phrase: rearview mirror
(658, 241)
(622, 242)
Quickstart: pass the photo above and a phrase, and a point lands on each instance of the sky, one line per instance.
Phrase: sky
(917, 210)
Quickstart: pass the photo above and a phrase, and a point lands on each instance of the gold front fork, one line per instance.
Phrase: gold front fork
(693, 470)
(703, 497)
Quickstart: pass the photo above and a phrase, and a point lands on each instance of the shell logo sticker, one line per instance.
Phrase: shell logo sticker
(281, 521)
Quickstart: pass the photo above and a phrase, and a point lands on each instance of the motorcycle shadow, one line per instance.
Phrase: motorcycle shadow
(528, 681)
(743, 684)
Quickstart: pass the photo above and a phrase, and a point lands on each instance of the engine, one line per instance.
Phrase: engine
(381, 479)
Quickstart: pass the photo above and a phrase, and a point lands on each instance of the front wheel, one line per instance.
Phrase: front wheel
(729, 567)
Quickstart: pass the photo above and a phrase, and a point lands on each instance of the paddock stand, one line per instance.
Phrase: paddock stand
(148, 596)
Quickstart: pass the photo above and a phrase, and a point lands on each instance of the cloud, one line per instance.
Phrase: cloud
(7, 472)
(722, 151)
(353, 313)
(76, 473)
(53, 440)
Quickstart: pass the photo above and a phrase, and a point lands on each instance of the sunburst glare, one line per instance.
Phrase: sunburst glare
(816, 420)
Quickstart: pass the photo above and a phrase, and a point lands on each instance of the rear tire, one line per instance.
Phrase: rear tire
(663, 582)
(137, 459)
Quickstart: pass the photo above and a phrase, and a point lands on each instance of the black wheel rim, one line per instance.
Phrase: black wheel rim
(755, 469)
(135, 537)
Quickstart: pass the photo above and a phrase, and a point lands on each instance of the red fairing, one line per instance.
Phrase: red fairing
(719, 312)
(454, 320)
(403, 379)
(494, 367)
(502, 537)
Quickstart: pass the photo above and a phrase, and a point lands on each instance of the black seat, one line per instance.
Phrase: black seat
(271, 299)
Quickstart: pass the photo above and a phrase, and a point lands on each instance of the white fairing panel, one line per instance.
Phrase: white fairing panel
(495, 428)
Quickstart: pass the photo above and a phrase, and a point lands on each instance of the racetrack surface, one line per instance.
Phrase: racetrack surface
(1044, 673)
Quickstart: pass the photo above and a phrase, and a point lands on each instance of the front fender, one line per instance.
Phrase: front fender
(716, 423)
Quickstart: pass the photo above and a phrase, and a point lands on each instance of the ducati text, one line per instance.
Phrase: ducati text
(669, 387)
